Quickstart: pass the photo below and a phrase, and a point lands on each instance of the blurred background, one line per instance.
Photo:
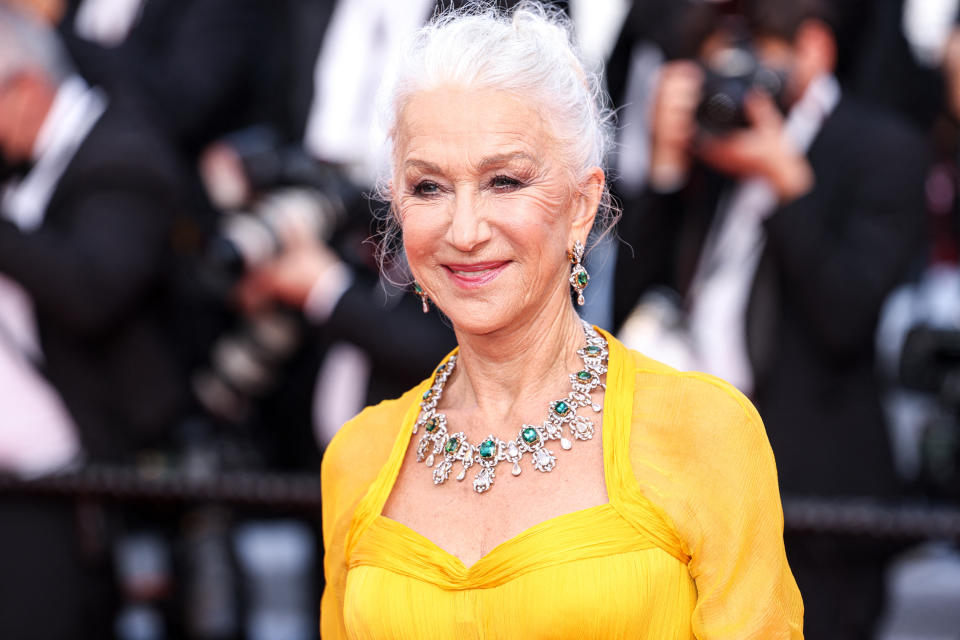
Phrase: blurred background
(191, 305)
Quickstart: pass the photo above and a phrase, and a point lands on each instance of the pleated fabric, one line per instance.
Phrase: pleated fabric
(631, 568)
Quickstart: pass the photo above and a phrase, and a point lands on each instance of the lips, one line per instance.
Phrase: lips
(475, 274)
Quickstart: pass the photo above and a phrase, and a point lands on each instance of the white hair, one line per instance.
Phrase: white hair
(529, 52)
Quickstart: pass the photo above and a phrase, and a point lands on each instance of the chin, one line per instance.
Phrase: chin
(480, 319)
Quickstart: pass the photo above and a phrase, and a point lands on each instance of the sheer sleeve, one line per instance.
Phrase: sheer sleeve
(350, 465)
(338, 504)
(700, 452)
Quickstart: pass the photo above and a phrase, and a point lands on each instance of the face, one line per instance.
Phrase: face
(23, 105)
(778, 54)
(811, 54)
(487, 208)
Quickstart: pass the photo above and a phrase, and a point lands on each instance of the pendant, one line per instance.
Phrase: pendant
(544, 460)
(581, 428)
(442, 472)
(483, 480)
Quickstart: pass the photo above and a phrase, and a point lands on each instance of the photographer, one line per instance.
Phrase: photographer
(84, 224)
(293, 252)
(791, 212)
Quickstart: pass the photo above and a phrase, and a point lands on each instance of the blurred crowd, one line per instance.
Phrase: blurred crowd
(188, 281)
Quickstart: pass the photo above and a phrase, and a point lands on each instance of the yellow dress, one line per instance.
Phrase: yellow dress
(690, 544)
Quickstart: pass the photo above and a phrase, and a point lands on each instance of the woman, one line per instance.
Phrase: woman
(545, 481)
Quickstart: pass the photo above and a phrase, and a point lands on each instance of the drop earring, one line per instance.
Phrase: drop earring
(423, 296)
(579, 278)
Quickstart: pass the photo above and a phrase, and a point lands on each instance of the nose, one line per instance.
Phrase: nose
(468, 228)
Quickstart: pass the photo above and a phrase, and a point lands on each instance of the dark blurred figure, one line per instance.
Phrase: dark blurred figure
(898, 54)
(88, 194)
(200, 69)
(780, 218)
(85, 226)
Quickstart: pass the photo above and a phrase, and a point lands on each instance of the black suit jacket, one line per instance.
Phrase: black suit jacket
(95, 270)
(200, 69)
(830, 259)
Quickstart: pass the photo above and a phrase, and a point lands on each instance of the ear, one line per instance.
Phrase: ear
(587, 201)
(815, 47)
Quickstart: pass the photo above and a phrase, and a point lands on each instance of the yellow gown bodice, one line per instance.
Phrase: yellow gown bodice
(688, 546)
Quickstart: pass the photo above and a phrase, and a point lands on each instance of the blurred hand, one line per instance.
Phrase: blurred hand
(951, 72)
(224, 178)
(288, 278)
(761, 150)
(673, 123)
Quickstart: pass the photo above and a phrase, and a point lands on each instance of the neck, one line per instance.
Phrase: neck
(496, 370)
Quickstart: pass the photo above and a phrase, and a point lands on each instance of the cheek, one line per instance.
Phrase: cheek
(541, 218)
(422, 228)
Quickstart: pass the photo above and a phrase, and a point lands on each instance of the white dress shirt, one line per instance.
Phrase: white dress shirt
(37, 434)
(360, 42)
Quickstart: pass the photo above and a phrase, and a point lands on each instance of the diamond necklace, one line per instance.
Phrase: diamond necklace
(561, 418)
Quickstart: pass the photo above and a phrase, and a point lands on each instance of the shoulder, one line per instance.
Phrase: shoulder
(690, 406)
(362, 445)
(371, 432)
(125, 150)
(863, 130)
(698, 429)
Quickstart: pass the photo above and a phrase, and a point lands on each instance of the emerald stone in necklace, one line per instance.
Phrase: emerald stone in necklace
(583, 376)
(561, 408)
(529, 435)
(487, 449)
(452, 445)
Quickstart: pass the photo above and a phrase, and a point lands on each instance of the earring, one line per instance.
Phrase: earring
(423, 296)
(579, 278)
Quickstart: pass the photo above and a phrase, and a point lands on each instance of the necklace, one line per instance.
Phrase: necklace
(561, 419)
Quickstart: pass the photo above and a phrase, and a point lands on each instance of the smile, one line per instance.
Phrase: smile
(471, 276)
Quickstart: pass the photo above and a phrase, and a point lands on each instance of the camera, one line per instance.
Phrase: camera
(730, 75)
(268, 193)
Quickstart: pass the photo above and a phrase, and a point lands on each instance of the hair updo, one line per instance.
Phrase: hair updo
(528, 51)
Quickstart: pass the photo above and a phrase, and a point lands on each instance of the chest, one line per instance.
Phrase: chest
(639, 593)
(469, 525)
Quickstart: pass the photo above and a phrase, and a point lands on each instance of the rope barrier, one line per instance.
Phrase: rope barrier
(301, 492)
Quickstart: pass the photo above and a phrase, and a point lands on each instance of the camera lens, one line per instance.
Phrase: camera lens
(718, 112)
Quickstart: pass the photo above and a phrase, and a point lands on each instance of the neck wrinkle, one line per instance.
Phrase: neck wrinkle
(496, 372)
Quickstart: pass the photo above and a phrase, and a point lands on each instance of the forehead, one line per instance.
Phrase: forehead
(447, 122)
(769, 48)
(773, 50)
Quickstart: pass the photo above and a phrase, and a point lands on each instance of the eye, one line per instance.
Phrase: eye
(426, 188)
(505, 183)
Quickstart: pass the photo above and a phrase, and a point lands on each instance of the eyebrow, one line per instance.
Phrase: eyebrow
(422, 164)
(490, 161)
(504, 158)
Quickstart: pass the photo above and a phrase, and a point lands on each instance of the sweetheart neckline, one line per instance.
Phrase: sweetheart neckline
(514, 539)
